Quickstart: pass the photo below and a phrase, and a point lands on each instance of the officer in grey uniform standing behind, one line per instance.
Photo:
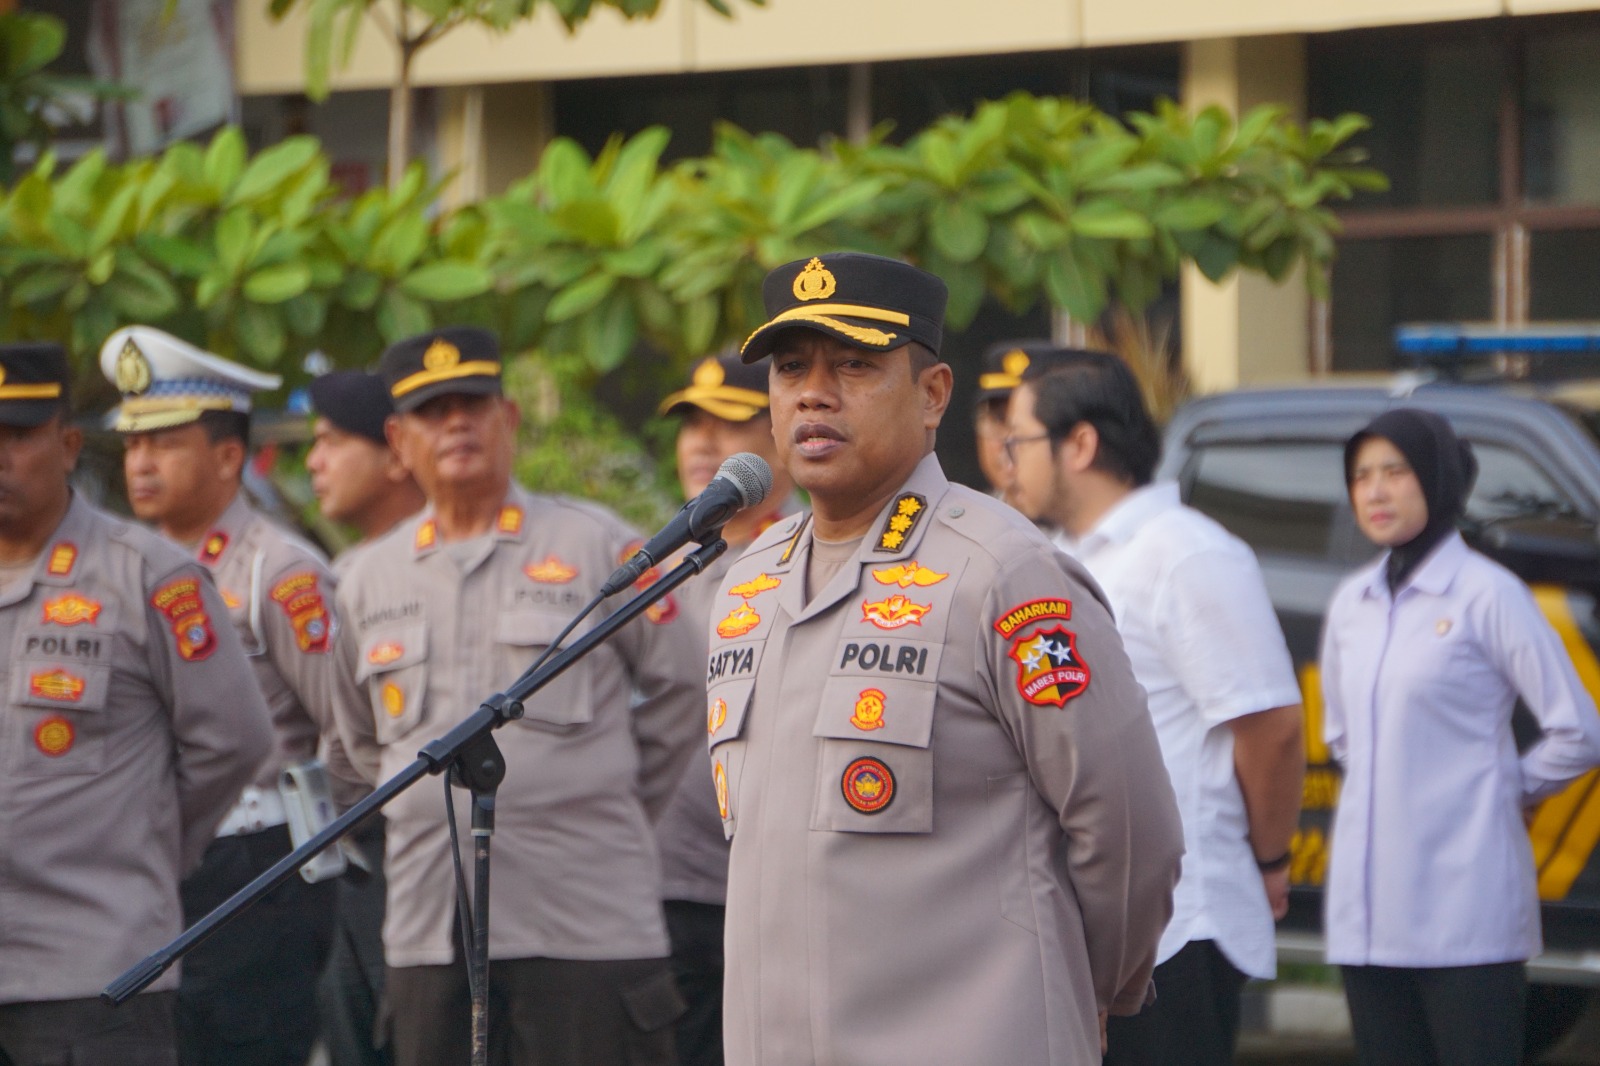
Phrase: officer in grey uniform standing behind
(721, 412)
(954, 841)
(448, 608)
(130, 727)
(248, 993)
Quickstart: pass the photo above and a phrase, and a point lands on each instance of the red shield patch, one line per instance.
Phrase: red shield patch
(1048, 668)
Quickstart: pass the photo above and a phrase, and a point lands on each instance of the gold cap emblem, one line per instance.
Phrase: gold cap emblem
(1015, 362)
(815, 282)
(441, 355)
(708, 375)
(133, 370)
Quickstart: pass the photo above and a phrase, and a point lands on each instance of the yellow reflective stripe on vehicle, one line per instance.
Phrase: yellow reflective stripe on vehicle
(1567, 827)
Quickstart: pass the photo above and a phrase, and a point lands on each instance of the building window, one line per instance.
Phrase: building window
(1490, 134)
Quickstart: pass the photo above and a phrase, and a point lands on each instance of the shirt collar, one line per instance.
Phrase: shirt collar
(1127, 515)
(510, 524)
(1434, 576)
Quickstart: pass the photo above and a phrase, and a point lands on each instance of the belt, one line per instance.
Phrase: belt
(257, 809)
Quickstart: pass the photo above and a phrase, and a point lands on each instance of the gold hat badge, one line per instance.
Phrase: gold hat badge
(815, 282)
(441, 355)
(709, 374)
(133, 370)
(1015, 362)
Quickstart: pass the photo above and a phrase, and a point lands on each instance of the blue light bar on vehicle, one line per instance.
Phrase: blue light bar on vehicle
(1460, 339)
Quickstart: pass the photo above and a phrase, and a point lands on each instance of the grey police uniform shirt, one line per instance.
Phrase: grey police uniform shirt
(131, 726)
(954, 840)
(280, 597)
(694, 851)
(576, 871)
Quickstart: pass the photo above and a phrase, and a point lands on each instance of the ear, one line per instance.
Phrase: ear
(1079, 447)
(71, 444)
(513, 413)
(230, 454)
(936, 383)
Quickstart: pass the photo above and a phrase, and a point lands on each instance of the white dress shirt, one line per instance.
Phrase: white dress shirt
(1198, 625)
(1431, 864)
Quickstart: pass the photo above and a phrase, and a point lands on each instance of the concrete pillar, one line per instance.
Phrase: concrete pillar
(1247, 330)
(490, 136)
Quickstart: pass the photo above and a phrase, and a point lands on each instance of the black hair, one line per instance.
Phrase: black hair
(226, 425)
(922, 357)
(1098, 388)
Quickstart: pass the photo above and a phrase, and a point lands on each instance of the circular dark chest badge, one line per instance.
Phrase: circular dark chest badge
(868, 785)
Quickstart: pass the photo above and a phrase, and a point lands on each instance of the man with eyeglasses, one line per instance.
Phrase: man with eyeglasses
(1195, 618)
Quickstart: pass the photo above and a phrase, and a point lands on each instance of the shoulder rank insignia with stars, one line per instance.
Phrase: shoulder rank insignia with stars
(903, 518)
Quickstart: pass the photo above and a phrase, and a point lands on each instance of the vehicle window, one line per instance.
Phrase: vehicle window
(1509, 485)
(1279, 496)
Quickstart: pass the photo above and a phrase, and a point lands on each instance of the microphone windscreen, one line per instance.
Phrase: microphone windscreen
(750, 473)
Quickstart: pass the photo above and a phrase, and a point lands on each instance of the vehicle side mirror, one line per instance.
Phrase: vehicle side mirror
(1560, 550)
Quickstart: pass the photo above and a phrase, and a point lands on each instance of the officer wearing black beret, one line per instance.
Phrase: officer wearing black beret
(356, 476)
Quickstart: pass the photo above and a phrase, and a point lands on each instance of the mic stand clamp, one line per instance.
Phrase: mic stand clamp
(477, 765)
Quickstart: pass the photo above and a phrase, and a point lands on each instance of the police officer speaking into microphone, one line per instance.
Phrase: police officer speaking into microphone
(131, 722)
(953, 838)
(448, 608)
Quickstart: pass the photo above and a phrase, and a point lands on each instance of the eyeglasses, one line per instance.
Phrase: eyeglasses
(1010, 444)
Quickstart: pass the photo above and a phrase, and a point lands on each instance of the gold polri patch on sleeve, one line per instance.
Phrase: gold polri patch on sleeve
(1049, 670)
(903, 518)
(179, 601)
(1032, 611)
(300, 596)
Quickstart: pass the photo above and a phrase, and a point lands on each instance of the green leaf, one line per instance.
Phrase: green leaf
(1079, 292)
(277, 283)
(273, 168)
(400, 316)
(609, 333)
(41, 285)
(224, 160)
(1190, 213)
(580, 297)
(233, 240)
(1106, 219)
(959, 230)
(261, 334)
(1216, 256)
(447, 280)
(564, 171)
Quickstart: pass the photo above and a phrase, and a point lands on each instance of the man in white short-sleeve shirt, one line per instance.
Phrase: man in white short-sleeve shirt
(1193, 612)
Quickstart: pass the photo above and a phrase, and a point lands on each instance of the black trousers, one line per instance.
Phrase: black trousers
(1437, 1016)
(86, 1032)
(696, 932)
(248, 994)
(352, 982)
(1194, 1020)
(542, 1012)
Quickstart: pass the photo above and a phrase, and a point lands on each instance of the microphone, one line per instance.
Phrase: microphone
(742, 481)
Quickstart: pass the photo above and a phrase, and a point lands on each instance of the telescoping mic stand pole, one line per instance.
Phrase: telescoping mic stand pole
(470, 745)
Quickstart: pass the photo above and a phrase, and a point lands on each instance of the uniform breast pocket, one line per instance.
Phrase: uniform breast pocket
(394, 667)
(875, 772)
(521, 637)
(726, 707)
(60, 709)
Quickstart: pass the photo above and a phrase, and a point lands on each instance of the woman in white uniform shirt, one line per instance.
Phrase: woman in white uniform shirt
(1431, 904)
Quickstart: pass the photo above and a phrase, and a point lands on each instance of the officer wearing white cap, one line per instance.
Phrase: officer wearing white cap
(129, 727)
(720, 413)
(247, 994)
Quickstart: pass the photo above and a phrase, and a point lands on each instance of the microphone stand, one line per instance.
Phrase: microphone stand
(470, 753)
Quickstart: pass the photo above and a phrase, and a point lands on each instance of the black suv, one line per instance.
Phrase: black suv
(1268, 465)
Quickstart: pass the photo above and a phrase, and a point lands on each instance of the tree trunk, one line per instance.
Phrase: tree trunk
(400, 119)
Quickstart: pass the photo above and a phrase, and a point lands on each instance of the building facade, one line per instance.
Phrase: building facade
(1486, 119)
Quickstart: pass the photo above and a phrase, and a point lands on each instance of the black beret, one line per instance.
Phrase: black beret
(355, 401)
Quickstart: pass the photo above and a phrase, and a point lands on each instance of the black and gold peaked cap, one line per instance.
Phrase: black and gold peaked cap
(866, 301)
(724, 386)
(1007, 364)
(33, 383)
(464, 360)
